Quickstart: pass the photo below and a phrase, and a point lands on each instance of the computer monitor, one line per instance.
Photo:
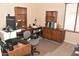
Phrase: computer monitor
(11, 21)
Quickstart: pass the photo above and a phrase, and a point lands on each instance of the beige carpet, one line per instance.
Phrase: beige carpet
(52, 48)
(65, 49)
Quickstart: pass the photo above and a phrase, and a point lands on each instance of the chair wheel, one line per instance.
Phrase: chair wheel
(37, 52)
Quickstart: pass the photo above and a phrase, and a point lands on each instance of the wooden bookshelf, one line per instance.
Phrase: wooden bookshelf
(21, 17)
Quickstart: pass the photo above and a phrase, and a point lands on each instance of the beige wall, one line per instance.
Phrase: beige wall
(43, 7)
(33, 11)
(72, 37)
(9, 9)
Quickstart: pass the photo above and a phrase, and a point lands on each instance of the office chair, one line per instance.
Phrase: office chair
(76, 50)
(26, 34)
(3, 47)
(34, 42)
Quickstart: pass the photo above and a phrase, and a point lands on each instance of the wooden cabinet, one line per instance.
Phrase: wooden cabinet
(21, 17)
(50, 32)
(53, 34)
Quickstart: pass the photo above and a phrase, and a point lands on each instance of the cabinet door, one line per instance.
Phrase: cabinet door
(48, 34)
(60, 36)
(54, 35)
(44, 33)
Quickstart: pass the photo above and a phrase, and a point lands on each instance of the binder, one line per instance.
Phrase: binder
(52, 25)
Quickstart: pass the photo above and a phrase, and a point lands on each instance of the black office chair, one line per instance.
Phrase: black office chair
(76, 50)
(3, 48)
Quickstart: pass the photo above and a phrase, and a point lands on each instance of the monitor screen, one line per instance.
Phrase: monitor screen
(11, 22)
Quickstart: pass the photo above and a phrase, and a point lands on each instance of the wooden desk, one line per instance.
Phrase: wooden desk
(20, 34)
(20, 50)
(31, 30)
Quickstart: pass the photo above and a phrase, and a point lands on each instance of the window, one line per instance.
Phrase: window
(70, 17)
(77, 25)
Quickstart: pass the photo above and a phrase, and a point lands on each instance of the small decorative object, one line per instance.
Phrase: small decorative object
(16, 24)
(48, 24)
(33, 24)
(30, 26)
(59, 26)
(55, 25)
(35, 21)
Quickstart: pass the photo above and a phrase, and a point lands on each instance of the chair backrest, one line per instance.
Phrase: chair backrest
(26, 34)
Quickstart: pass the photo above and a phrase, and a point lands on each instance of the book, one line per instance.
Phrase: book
(52, 24)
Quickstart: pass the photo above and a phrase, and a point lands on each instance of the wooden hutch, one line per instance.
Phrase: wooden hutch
(50, 33)
(21, 17)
